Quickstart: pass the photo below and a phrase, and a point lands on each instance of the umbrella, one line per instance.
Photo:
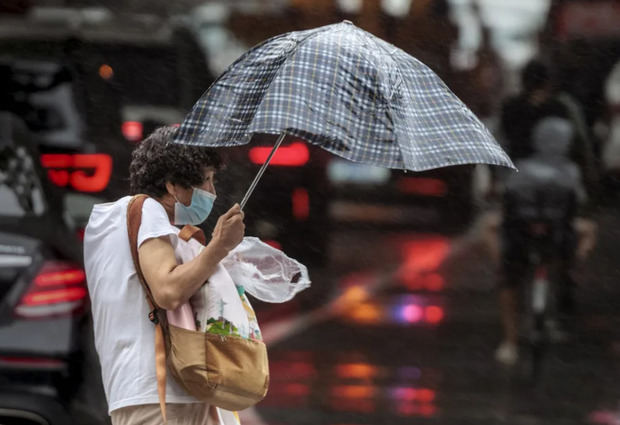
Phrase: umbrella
(348, 91)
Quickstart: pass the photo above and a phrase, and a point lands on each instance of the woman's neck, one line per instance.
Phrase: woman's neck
(167, 201)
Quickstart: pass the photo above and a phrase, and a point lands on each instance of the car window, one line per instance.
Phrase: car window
(61, 89)
(58, 95)
(42, 93)
(21, 193)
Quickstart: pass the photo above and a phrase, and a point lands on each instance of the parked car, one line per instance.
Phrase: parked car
(49, 372)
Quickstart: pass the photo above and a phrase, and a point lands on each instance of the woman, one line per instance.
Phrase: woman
(179, 180)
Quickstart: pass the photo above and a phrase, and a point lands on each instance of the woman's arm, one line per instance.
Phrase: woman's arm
(171, 283)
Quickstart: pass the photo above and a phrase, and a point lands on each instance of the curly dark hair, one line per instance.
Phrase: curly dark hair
(158, 160)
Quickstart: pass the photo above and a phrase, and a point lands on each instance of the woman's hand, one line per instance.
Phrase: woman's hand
(230, 229)
(171, 283)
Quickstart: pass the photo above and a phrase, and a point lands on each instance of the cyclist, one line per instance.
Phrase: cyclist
(542, 97)
(548, 188)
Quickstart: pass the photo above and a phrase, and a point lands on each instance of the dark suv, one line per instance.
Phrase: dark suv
(49, 372)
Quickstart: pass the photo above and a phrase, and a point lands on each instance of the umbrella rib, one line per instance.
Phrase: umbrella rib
(389, 104)
(391, 52)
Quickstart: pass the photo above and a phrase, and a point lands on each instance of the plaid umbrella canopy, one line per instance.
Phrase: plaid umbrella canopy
(348, 91)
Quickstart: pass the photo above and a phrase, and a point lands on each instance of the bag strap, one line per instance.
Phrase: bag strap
(188, 231)
(134, 219)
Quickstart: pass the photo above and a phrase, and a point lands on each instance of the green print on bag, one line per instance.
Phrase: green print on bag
(225, 327)
(221, 326)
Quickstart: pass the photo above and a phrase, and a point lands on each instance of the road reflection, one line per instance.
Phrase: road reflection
(403, 309)
(331, 383)
(417, 277)
(348, 383)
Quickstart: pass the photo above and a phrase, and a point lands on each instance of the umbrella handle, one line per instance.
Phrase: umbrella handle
(262, 170)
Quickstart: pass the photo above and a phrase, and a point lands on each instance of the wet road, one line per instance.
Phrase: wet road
(410, 336)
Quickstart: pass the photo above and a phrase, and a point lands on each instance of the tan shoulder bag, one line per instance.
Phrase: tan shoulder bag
(230, 372)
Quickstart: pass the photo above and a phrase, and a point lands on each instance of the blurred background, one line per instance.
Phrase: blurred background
(403, 319)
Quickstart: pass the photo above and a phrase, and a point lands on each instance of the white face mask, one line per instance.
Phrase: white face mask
(198, 210)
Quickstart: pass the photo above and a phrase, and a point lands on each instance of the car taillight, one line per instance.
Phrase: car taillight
(294, 155)
(423, 186)
(83, 172)
(300, 201)
(274, 244)
(106, 72)
(58, 289)
(132, 130)
(38, 363)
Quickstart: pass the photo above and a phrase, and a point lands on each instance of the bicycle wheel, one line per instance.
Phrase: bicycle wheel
(539, 302)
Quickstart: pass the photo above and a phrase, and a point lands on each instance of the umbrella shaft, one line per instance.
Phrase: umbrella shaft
(262, 170)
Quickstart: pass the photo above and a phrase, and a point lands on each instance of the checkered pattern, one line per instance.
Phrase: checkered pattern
(347, 91)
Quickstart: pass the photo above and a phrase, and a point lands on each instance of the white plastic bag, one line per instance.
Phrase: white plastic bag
(264, 272)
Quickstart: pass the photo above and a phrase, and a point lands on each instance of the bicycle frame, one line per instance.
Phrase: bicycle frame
(540, 292)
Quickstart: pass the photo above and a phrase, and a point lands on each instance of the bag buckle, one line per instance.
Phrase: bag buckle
(153, 317)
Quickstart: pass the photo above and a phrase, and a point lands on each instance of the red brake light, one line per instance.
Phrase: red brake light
(15, 362)
(294, 155)
(65, 169)
(301, 203)
(54, 296)
(57, 165)
(58, 289)
(132, 130)
(69, 276)
(422, 186)
(101, 163)
(274, 244)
